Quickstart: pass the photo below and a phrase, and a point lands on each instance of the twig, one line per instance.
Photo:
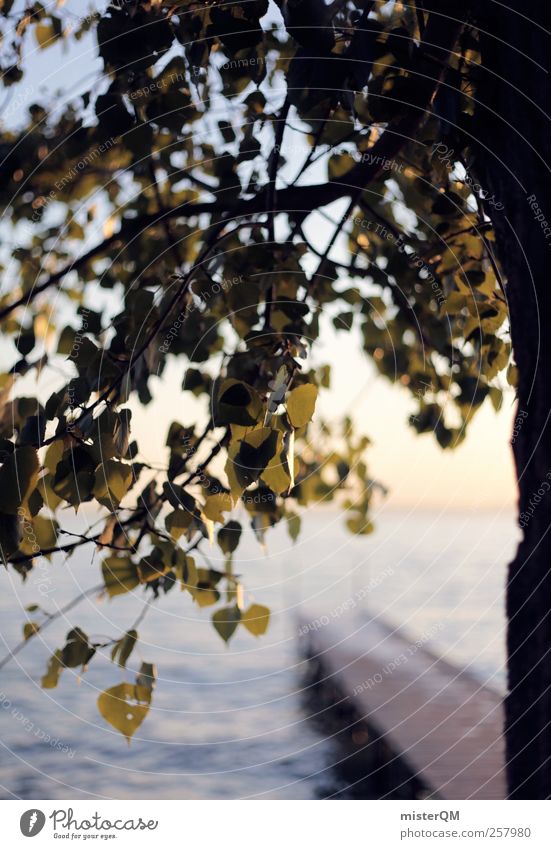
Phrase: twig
(51, 618)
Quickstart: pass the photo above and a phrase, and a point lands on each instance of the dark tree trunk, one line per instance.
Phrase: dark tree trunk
(513, 161)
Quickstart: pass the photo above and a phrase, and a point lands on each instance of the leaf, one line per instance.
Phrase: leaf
(512, 375)
(153, 566)
(45, 35)
(178, 522)
(77, 651)
(254, 453)
(146, 679)
(54, 455)
(496, 397)
(256, 619)
(74, 476)
(186, 570)
(205, 596)
(228, 537)
(45, 532)
(120, 575)
(18, 477)
(113, 480)
(359, 525)
(123, 648)
(45, 487)
(301, 403)
(217, 505)
(226, 621)
(293, 525)
(29, 629)
(50, 679)
(276, 474)
(238, 403)
(120, 707)
(339, 165)
(10, 535)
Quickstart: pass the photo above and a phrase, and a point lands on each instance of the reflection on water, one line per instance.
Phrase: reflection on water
(234, 722)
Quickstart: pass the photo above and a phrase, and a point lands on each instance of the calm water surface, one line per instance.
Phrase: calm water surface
(231, 722)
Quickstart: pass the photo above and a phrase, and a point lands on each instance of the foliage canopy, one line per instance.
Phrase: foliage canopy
(238, 174)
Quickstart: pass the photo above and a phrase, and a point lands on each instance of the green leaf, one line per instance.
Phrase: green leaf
(226, 621)
(10, 535)
(18, 477)
(45, 534)
(123, 648)
(45, 487)
(256, 619)
(153, 566)
(77, 651)
(66, 342)
(54, 455)
(228, 537)
(74, 476)
(293, 525)
(185, 569)
(120, 575)
(301, 403)
(238, 403)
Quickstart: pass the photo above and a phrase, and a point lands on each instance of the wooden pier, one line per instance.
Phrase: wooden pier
(444, 725)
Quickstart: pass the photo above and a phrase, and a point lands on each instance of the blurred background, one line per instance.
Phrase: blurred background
(242, 721)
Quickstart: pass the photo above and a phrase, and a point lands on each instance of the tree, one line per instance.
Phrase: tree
(208, 152)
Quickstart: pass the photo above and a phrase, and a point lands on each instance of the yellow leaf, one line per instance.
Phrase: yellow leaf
(216, 505)
(29, 629)
(44, 34)
(204, 596)
(50, 498)
(119, 707)
(256, 619)
(108, 227)
(51, 678)
(120, 575)
(54, 455)
(178, 522)
(301, 403)
(275, 475)
(236, 488)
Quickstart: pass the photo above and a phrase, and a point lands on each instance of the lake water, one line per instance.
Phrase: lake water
(231, 723)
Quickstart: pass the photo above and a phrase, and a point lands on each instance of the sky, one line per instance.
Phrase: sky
(418, 473)
(478, 475)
